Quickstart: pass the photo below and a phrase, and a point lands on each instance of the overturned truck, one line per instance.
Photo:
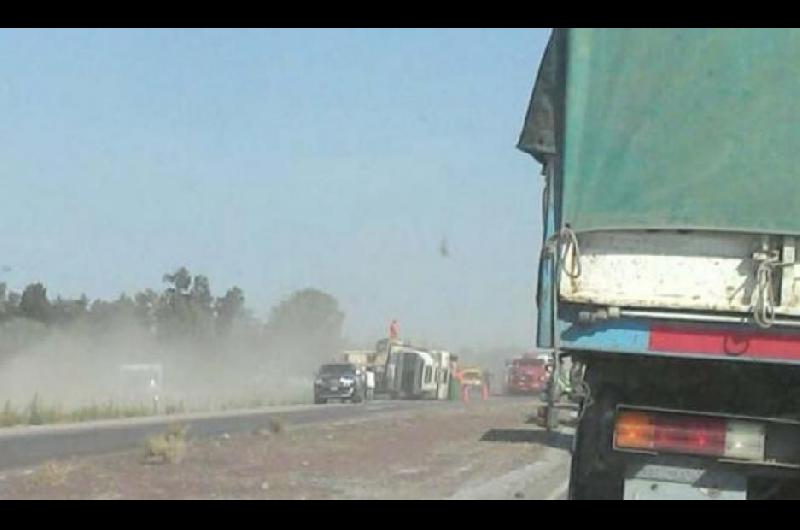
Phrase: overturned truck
(416, 373)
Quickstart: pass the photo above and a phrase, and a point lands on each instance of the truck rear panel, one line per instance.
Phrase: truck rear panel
(673, 201)
(669, 266)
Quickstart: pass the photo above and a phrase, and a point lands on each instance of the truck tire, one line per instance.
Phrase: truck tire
(593, 475)
(319, 401)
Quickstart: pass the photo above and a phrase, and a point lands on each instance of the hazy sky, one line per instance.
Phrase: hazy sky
(276, 160)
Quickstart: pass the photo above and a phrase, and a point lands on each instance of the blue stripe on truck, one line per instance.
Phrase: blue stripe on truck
(619, 335)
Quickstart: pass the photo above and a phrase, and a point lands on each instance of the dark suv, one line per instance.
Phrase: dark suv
(342, 381)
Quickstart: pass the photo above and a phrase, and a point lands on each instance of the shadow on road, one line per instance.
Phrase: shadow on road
(551, 439)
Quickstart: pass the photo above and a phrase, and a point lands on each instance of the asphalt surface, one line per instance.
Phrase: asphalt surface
(546, 477)
(29, 445)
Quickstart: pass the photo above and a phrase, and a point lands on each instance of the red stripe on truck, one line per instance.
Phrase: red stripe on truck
(724, 342)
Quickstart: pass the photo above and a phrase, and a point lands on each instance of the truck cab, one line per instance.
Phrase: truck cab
(526, 375)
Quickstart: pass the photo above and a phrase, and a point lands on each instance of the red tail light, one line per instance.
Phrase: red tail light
(682, 433)
(691, 434)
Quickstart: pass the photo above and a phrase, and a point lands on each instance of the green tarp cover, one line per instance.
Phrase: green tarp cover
(673, 128)
(538, 136)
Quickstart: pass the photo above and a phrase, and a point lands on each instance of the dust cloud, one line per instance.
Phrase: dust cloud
(70, 370)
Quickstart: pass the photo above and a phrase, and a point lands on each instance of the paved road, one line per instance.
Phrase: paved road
(23, 446)
(545, 478)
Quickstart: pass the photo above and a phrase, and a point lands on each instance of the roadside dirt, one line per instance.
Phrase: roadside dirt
(431, 453)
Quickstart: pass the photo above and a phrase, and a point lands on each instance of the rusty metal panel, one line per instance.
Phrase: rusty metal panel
(709, 271)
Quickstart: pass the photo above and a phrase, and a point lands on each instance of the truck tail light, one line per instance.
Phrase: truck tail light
(687, 434)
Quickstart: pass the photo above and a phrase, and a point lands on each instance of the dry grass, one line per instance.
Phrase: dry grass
(9, 417)
(276, 425)
(38, 412)
(52, 473)
(180, 408)
(168, 447)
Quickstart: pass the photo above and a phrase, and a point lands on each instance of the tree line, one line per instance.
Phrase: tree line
(307, 323)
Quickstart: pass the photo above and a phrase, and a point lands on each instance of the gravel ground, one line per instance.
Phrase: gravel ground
(482, 450)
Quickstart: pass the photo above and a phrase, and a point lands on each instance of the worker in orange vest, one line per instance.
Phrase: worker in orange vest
(393, 330)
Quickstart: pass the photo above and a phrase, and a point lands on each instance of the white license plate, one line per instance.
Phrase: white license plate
(654, 482)
(334, 388)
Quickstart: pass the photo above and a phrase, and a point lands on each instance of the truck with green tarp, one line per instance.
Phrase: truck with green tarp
(669, 269)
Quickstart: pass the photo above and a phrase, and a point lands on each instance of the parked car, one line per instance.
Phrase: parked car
(343, 381)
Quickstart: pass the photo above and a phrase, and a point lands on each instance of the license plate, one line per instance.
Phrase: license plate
(334, 388)
(636, 489)
(653, 482)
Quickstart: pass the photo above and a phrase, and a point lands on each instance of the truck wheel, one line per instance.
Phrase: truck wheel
(319, 401)
(592, 475)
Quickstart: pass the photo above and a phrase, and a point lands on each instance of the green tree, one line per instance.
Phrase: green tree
(185, 309)
(229, 309)
(34, 303)
(3, 301)
(146, 303)
(66, 311)
(307, 325)
(172, 312)
(180, 280)
(201, 305)
(106, 315)
(12, 303)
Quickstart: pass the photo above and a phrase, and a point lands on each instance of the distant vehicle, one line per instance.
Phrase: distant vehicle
(472, 377)
(442, 372)
(384, 374)
(414, 373)
(526, 375)
(343, 381)
(372, 363)
(357, 357)
(369, 376)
